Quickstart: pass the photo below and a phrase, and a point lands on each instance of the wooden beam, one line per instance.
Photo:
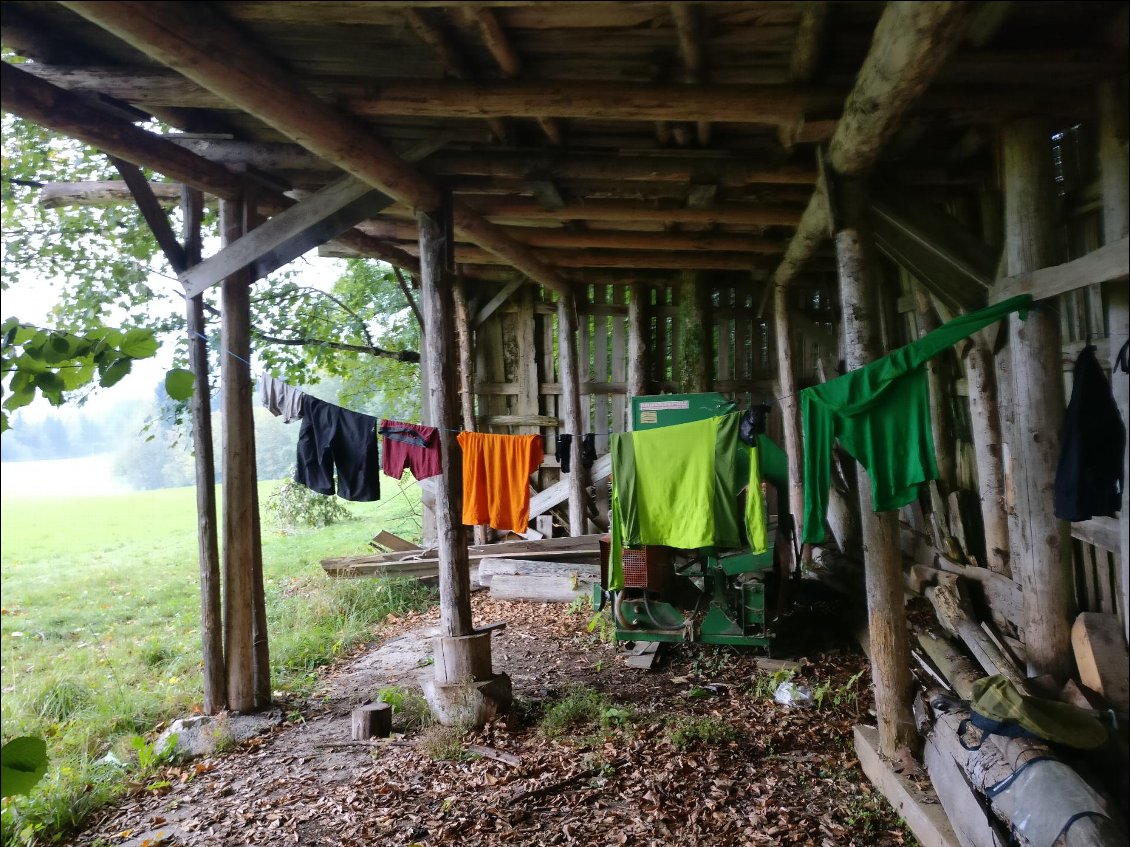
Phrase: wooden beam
(437, 303)
(240, 524)
(890, 654)
(809, 43)
(637, 344)
(204, 46)
(466, 98)
(629, 259)
(790, 404)
(1114, 178)
(151, 211)
(688, 26)
(68, 114)
(215, 683)
(619, 210)
(304, 226)
(497, 42)
(1109, 263)
(1040, 542)
(492, 305)
(450, 58)
(571, 408)
(59, 195)
(911, 43)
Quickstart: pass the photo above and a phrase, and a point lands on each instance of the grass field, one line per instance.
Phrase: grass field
(99, 637)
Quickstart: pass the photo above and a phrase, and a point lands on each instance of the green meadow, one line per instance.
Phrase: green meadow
(99, 635)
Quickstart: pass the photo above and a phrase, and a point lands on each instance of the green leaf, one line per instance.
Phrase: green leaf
(113, 373)
(179, 383)
(77, 377)
(23, 762)
(139, 344)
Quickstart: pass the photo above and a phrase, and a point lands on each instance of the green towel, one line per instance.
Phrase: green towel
(999, 707)
(880, 414)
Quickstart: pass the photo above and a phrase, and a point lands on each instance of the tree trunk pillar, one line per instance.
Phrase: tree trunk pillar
(436, 302)
(1041, 550)
(987, 441)
(571, 407)
(694, 336)
(240, 500)
(890, 650)
(1113, 168)
(211, 615)
(463, 334)
(637, 345)
(790, 406)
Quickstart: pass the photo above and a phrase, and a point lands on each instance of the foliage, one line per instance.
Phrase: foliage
(688, 732)
(23, 763)
(149, 758)
(445, 744)
(114, 648)
(410, 711)
(581, 706)
(292, 505)
(765, 685)
(53, 362)
(603, 626)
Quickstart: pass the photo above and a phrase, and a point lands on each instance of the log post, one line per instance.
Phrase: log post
(637, 346)
(890, 651)
(790, 407)
(437, 306)
(694, 336)
(1041, 548)
(571, 406)
(1116, 214)
(211, 617)
(240, 503)
(987, 449)
(466, 367)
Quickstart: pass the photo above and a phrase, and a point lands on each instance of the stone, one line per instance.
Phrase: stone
(202, 735)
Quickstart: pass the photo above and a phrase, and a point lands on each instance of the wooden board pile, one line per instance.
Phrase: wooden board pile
(551, 570)
(971, 771)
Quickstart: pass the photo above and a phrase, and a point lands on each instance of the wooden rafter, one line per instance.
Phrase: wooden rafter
(450, 59)
(498, 43)
(208, 49)
(688, 26)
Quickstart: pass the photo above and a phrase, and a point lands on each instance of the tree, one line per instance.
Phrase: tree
(101, 261)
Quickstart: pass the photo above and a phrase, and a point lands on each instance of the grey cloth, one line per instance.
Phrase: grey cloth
(279, 398)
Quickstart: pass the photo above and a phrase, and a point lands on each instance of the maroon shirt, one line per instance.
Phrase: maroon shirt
(409, 445)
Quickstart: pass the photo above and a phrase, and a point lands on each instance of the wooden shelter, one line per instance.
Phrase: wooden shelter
(598, 200)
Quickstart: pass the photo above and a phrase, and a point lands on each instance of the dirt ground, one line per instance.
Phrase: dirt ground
(693, 752)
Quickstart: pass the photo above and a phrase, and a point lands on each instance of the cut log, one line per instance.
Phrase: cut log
(462, 659)
(373, 720)
(959, 670)
(955, 615)
(491, 567)
(559, 492)
(539, 589)
(1101, 656)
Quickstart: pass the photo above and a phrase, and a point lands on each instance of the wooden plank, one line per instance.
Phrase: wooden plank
(545, 500)
(492, 305)
(321, 216)
(619, 361)
(525, 363)
(574, 487)
(921, 811)
(394, 542)
(539, 589)
(1109, 263)
(523, 420)
(492, 566)
(1102, 532)
(600, 372)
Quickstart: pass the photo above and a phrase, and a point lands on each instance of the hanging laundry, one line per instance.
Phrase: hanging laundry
(880, 414)
(412, 446)
(279, 398)
(564, 451)
(675, 486)
(1088, 479)
(588, 450)
(755, 518)
(335, 437)
(496, 478)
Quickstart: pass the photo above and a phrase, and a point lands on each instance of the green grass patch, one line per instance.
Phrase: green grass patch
(686, 733)
(99, 637)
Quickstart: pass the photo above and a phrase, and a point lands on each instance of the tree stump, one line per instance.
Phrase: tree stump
(373, 720)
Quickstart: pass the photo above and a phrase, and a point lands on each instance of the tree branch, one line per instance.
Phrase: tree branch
(371, 349)
(408, 296)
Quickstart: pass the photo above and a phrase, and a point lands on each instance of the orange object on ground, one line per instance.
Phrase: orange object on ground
(496, 478)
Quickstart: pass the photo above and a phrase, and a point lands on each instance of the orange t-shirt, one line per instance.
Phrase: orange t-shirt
(496, 478)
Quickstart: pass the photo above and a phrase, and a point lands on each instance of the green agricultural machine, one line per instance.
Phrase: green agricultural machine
(709, 595)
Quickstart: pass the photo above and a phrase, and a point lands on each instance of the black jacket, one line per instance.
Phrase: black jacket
(1088, 480)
